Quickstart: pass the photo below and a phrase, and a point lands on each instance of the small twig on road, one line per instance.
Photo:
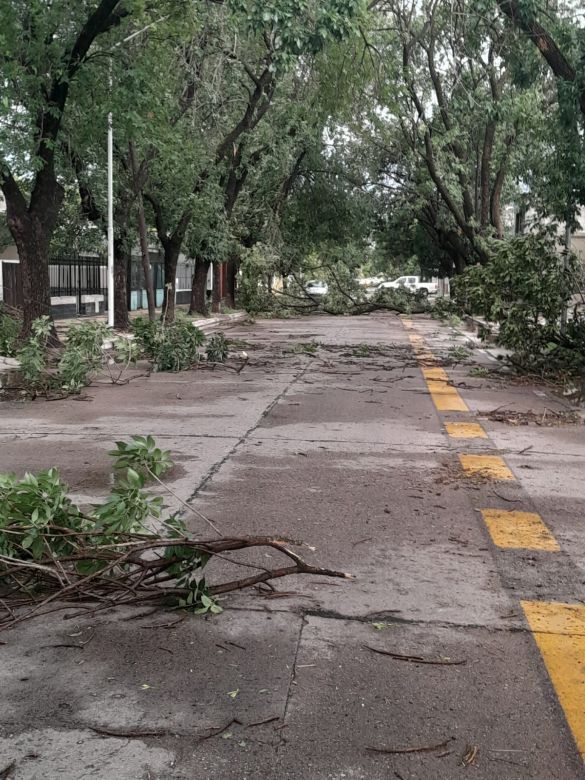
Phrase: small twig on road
(510, 500)
(262, 722)
(415, 659)
(7, 771)
(184, 503)
(165, 625)
(470, 755)
(123, 734)
(423, 749)
(215, 732)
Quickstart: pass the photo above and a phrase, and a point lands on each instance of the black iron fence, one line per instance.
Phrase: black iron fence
(79, 284)
(78, 275)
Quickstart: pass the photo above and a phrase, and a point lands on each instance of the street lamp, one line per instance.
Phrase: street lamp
(111, 184)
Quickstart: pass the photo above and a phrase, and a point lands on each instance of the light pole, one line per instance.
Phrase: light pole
(111, 183)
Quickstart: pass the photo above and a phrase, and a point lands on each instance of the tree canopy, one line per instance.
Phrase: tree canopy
(383, 135)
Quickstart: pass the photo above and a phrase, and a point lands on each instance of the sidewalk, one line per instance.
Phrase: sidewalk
(328, 436)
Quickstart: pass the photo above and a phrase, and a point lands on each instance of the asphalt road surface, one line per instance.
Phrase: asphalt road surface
(453, 494)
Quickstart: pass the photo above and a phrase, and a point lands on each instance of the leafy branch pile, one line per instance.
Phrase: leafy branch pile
(121, 552)
(525, 290)
(59, 371)
(170, 347)
(52, 371)
(344, 297)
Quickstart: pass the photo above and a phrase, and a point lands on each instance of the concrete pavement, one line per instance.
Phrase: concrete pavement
(437, 661)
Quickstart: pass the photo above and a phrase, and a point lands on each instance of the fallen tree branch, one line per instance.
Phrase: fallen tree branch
(135, 570)
(415, 659)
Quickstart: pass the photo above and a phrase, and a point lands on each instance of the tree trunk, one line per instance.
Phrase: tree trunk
(199, 288)
(232, 274)
(171, 259)
(33, 252)
(216, 294)
(485, 175)
(122, 292)
(143, 235)
(32, 229)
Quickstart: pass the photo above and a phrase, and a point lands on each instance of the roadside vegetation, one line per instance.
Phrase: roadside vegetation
(529, 300)
(89, 351)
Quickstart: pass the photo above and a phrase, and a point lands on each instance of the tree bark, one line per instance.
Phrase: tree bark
(32, 229)
(545, 43)
(216, 294)
(199, 288)
(232, 275)
(171, 259)
(485, 174)
(122, 262)
(142, 234)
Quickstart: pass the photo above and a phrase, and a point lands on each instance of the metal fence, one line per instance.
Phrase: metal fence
(184, 276)
(79, 284)
(78, 275)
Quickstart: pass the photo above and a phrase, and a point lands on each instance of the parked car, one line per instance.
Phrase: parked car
(315, 287)
(412, 283)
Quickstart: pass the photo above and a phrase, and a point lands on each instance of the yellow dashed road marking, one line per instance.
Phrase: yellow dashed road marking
(491, 466)
(519, 530)
(559, 632)
(445, 396)
(463, 430)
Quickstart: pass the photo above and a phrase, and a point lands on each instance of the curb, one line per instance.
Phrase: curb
(208, 324)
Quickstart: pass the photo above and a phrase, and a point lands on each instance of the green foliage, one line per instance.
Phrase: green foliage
(82, 357)
(217, 348)
(459, 353)
(128, 507)
(33, 356)
(524, 290)
(38, 519)
(9, 330)
(39, 512)
(126, 351)
(79, 361)
(445, 308)
(361, 351)
(142, 455)
(303, 348)
(145, 331)
(173, 347)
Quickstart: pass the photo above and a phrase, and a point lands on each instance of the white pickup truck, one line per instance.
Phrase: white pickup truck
(412, 283)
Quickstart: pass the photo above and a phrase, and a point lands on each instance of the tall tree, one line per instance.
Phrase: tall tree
(46, 46)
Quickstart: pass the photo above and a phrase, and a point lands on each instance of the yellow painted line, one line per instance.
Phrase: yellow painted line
(519, 530)
(463, 430)
(559, 632)
(491, 466)
(445, 396)
(437, 374)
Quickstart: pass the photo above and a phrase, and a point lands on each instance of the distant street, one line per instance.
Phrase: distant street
(455, 498)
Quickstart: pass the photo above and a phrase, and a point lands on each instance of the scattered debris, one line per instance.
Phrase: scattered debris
(468, 758)
(548, 419)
